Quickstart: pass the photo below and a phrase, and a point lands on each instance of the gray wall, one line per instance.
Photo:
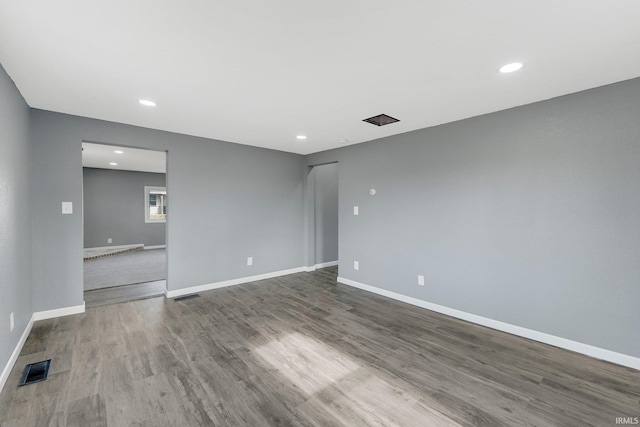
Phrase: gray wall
(114, 208)
(529, 216)
(15, 220)
(326, 212)
(228, 201)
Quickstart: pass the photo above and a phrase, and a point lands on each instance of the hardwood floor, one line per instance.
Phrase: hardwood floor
(302, 350)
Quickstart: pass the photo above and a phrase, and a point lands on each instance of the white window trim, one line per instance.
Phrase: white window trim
(147, 191)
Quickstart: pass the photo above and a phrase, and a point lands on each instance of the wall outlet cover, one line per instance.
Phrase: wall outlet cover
(356, 265)
(67, 208)
(250, 260)
(420, 280)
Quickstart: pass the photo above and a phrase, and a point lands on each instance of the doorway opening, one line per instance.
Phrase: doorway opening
(125, 213)
(323, 184)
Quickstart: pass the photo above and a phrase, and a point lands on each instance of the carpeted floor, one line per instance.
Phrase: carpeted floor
(125, 269)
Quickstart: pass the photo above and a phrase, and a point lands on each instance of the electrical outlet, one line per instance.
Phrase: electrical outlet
(356, 265)
(356, 210)
(250, 260)
(12, 322)
(420, 280)
(109, 240)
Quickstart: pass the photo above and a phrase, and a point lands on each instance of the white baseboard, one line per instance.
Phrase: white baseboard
(146, 248)
(326, 264)
(101, 248)
(39, 315)
(14, 356)
(578, 347)
(232, 282)
(58, 312)
(321, 265)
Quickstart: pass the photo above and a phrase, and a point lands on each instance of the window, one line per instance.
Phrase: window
(155, 204)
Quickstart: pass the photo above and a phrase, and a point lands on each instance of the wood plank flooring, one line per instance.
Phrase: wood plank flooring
(301, 350)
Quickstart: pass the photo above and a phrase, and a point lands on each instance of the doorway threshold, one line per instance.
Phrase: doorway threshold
(124, 293)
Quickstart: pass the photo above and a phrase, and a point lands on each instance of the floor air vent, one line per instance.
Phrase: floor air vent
(381, 120)
(187, 297)
(35, 372)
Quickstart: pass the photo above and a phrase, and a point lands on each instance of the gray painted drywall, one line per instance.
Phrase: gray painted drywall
(529, 216)
(228, 202)
(326, 212)
(113, 202)
(15, 220)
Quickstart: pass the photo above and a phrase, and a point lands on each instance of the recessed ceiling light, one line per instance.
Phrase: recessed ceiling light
(301, 137)
(510, 68)
(147, 102)
(119, 152)
(113, 164)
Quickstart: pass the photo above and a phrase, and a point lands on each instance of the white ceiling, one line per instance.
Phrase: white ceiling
(131, 159)
(262, 72)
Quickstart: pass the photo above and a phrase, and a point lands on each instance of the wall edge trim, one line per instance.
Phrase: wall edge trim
(321, 265)
(59, 312)
(326, 264)
(232, 282)
(154, 247)
(132, 246)
(564, 343)
(16, 353)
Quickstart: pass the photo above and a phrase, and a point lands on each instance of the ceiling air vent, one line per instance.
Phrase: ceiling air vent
(381, 120)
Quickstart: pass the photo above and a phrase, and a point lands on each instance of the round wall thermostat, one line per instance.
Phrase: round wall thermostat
(372, 192)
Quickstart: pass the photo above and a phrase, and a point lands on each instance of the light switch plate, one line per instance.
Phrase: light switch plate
(420, 280)
(356, 210)
(67, 208)
(356, 265)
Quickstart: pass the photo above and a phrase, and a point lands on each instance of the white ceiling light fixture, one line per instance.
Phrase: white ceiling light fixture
(510, 68)
(147, 103)
(301, 137)
(119, 152)
(113, 164)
